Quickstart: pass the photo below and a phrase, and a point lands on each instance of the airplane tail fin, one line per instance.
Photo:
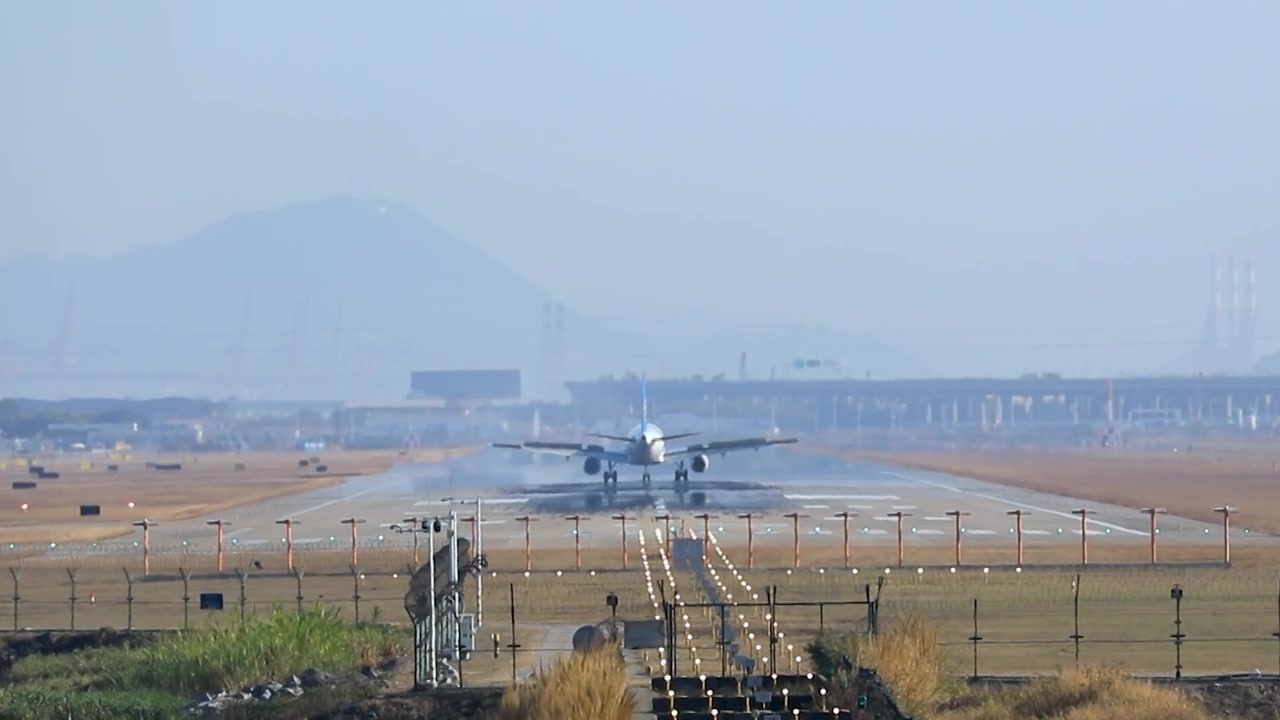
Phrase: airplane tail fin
(644, 404)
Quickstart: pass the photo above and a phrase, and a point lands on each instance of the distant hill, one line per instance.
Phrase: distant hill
(166, 320)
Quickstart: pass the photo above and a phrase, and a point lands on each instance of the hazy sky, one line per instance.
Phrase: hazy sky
(999, 176)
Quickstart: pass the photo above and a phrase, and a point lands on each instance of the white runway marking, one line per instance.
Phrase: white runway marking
(842, 497)
(937, 518)
(326, 504)
(483, 501)
(871, 531)
(1024, 506)
(860, 507)
(905, 507)
(926, 531)
(979, 532)
(817, 507)
(1036, 532)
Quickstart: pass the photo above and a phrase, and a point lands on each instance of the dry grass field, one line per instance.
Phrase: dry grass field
(1189, 484)
(205, 484)
(1026, 618)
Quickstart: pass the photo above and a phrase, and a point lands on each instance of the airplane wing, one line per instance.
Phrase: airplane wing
(566, 450)
(724, 447)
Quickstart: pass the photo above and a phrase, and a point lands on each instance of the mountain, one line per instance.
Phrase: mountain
(337, 298)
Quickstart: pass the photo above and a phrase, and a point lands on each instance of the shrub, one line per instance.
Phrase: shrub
(579, 685)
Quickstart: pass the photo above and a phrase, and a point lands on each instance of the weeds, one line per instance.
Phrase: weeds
(1089, 694)
(155, 681)
(260, 648)
(910, 661)
(579, 685)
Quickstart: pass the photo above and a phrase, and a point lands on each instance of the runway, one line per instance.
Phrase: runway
(769, 485)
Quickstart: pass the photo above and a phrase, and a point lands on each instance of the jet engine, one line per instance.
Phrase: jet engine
(591, 466)
(700, 463)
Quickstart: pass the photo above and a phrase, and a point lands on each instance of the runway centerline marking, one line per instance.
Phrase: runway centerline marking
(1024, 506)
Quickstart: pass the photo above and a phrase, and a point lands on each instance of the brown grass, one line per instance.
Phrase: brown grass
(1089, 694)
(1189, 484)
(909, 658)
(206, 484)
(579, 685)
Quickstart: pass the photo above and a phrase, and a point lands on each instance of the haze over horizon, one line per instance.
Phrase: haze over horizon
(994, 189)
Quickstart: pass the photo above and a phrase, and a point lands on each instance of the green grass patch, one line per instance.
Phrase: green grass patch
(156, 680)
(36, 703)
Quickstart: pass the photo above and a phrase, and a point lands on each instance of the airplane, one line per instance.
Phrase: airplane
(645, 446)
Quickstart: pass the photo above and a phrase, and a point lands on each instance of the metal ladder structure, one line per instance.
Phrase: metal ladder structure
(443, 631)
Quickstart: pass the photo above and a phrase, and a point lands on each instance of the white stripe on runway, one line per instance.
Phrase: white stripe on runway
(842, 497)
(1024, 506)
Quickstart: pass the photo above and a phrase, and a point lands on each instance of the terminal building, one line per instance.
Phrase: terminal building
(974, 403)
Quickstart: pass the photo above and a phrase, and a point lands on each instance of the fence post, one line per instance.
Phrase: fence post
(186, 598)
(355, 590)
(243, 575)
(71, 573)
(16, 574)
(1175, 594)
(975, 638)
(128, 599)
(1275, 634)
(1076, 637)
(297, 576)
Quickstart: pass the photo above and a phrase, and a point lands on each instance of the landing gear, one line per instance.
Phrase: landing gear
(682, 475)
(610, 476)
(645, 479)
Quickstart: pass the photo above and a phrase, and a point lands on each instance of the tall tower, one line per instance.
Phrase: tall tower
(1232, 344)
(1211, 342)
(1249, 323)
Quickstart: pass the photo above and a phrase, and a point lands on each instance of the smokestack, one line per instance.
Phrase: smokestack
(742, 366)
(1215, 325)
(1250, 329)
(1233, 312)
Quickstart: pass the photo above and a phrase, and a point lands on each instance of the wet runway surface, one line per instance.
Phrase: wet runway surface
(769, 485)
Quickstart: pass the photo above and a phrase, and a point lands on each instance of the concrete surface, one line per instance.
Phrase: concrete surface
(817, 487)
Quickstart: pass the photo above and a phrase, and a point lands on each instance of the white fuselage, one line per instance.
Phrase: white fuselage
(647, 448)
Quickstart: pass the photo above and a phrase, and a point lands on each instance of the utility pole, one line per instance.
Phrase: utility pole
(355, 553)
(751, 540)
(1084, 533)
(1017, 514)
(845, 517)
(288, 524)
(1153, 512)
(795, 534)
(146, 526)
(899, 515)
(220, 524)
(528, 554)
(957, 514)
